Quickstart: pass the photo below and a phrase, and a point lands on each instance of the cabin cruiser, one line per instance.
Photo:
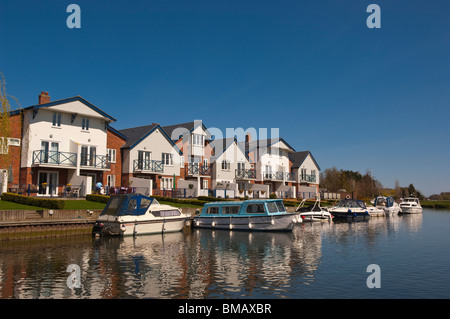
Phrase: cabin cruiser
(410, 205)
(387, 204)
(316, 213)
(136, 214)
(263, 215)
(350, 208)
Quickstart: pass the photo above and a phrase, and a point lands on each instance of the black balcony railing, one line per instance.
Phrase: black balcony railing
(54, 158)
(148, 166)
(198, 169)
(95, 161)
(245, 173)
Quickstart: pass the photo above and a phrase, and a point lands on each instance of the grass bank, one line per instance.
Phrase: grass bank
(436, 204)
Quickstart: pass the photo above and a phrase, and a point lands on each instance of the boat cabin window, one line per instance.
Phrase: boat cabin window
(255, 209)
(166, 213)
(272, 207)
(212, 210)
(231, 209)
(137, 206)
(280, 206)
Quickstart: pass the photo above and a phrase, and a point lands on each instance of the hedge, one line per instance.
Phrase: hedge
(97, 198)
(34, 201)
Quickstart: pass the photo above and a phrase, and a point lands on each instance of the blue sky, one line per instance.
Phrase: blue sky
(357, 98)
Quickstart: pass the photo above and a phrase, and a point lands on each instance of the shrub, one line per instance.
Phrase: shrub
(34, 201)
(97, 198)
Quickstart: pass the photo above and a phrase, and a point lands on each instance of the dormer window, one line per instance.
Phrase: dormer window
(85, 124)
(56, 119)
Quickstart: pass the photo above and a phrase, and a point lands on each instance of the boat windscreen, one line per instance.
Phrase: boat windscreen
(280, 206)
(351, 203)
(113, 206)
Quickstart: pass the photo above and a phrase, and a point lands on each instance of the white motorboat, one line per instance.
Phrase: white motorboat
(350, 208)
(410, 205)
(316, 213)
(387, 204)
(136, 214)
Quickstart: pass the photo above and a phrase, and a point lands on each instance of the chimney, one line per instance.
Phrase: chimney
(44, 98)
(248, 137)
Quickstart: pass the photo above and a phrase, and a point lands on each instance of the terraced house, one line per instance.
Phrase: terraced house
(63, 143)
(69, 145)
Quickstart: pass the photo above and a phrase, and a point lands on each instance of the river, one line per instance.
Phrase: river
(317, 260)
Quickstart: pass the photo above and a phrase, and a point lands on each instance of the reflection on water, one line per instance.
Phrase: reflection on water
(197, 263)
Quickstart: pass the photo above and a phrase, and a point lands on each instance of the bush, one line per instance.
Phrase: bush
(97, 198)
(272, 196)
(34, 201)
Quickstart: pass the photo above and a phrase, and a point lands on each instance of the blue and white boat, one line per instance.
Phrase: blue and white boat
(136, 214)
(261, 215)
(350, 208)
(387, 204)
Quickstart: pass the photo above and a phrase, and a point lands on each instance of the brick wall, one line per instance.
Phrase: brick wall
(13, 157)
(114, 141)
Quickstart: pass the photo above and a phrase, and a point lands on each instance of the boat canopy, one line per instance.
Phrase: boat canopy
(128, 204)
(351, 203)
(384, 201)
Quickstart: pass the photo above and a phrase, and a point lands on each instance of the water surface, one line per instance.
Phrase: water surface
(316, 260)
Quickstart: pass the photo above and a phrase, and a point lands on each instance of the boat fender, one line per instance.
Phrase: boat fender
(197, 223)
(123, 227)
(213, 224)
(231, 226)
(250, 225)
(272, 222)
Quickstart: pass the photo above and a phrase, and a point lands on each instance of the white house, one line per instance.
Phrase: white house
(273, 165)
(307, 173)
(232, 173)
(64, 142)
(150, 158)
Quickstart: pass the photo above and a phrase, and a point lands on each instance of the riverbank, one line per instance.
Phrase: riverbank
(436, 204)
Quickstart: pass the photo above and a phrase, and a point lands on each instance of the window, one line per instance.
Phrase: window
(111, 155)
(111, 180)
(213, 210)
(167, 159)
(56, 119)
(167, 183)
(231, 209)
(280, 206)
(85, 124)
(226, 165)
(197, 139)
(255, 209)
(272, 207)
(205, 184)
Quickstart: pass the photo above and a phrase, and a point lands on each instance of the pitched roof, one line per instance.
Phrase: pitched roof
(221, 145)
(253, 144)
(136, 134)
(299, 157)
(70, 99)
(189, 126)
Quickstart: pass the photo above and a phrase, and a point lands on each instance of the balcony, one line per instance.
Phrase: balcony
(245, 174)
(49, 158)
(148, 166)
(94, 161)
(278, 176)
(196, 169)
(308, 178)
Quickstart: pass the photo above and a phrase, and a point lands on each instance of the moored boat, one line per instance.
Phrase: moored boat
(387, 204)
(350, 208)
(136, 214)
(411, 205)
(313, 214)
(262, 215)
